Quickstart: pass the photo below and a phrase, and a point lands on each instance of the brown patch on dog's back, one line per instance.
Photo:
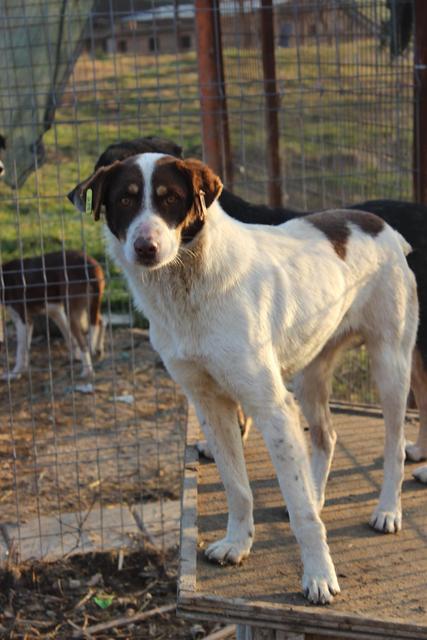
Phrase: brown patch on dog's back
(334, 224)
(368, 222)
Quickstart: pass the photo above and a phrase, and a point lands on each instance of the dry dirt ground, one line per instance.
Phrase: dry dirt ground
(69, 598)
(63, 450)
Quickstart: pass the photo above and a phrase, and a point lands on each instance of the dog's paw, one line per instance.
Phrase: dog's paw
(420, 474)
(9, 377)
(321, 589)
(414, 452)
(228, 551)
(203, 449)
(386, 521)
(77, 355)
(86, 372)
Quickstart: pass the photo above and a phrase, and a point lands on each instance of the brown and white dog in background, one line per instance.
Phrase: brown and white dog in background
(67, 286)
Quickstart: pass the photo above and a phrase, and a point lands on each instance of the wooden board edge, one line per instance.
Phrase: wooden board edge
(298, 619)
(188, 529)
(363, 409)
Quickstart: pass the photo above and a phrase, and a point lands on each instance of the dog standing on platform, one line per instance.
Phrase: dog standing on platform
(67, 286)
(233, 308)
(408, 218)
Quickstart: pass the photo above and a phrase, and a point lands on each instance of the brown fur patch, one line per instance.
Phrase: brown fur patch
(184, 179)
(334, 224)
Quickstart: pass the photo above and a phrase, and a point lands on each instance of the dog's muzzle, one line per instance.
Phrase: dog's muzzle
(146, 251)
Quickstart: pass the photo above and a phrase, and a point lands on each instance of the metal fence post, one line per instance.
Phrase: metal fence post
(420, 102)
(213, 102)
(271, 104)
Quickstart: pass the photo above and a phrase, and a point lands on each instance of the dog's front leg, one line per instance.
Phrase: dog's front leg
(277, 418)
(24, 333)
(217, 415)
(245, 424)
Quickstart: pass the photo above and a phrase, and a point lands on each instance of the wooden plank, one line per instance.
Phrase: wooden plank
(253, 633)
(188, 537)
(383, 578)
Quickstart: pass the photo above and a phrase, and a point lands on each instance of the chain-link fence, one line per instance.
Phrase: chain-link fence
(83, 460)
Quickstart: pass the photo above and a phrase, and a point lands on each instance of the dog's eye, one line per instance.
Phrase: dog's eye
(171, 198)
(126, 201)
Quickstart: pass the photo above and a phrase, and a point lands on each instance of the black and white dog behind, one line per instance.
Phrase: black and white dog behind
(67, 286)
(234, 309)
(409, 218)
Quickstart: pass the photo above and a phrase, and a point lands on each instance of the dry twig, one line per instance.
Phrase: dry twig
(123, 621)
(223, 633)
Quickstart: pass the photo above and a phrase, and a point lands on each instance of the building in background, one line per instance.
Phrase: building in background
(143, 27)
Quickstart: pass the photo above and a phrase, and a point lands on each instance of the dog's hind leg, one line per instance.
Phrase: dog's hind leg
(57, 313)
(391, 365)
(313, 389)
(418, 450)
(276, 415)
(76, 330)
(420, 474)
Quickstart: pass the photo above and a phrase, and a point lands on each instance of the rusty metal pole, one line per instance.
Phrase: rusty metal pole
(213, 102)
(420, 102)
(272, 104)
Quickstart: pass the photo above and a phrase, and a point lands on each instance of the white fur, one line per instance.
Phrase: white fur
(148, 224)
(244, 306)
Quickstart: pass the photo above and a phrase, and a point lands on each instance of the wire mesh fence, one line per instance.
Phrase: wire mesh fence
(346, 103)
(83, 459)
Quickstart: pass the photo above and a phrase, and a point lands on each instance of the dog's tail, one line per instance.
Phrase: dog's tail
(406, 247)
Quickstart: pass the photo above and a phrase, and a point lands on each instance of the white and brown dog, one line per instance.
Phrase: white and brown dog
(236, 309)
(67, 286)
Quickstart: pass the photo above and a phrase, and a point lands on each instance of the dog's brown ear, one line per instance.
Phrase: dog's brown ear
(202, 178)
(88, 196)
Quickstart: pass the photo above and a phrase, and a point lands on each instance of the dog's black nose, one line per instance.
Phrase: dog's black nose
(146, 250)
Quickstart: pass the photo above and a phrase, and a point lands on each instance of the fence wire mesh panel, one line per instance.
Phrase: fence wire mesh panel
(83, 459)
(345, 101)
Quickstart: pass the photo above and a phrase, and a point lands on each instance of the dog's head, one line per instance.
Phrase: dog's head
(2, 150)
(128, 148)
(154, 204)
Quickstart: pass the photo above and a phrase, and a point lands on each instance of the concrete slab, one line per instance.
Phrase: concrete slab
(102, 529)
